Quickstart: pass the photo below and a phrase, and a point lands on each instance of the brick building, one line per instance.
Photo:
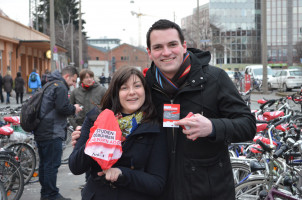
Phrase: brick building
(122, 55)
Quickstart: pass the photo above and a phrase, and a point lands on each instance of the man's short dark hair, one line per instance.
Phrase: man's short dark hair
(164, 24)
(71, 70)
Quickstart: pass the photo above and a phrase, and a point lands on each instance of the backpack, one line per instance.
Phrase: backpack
(33, 77)
(29, 117)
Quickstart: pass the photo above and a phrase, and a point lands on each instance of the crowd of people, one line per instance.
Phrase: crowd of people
(158, 161)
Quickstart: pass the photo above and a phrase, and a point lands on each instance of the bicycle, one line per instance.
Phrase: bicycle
(2, 192)
(22, 148)
(11, 175)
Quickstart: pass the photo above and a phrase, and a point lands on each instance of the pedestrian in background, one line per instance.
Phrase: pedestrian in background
(1, 94)
(141, 171)
(102, 79)
(44, 77)
(19, 87)
(8, 85)
(34, 81)
(88, 94)
(109, 79)
(51, 131)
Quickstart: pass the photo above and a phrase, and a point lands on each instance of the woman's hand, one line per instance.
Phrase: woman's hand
(75, 135)
(111, 174)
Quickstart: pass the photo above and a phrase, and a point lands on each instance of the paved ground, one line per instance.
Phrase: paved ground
(69, 183)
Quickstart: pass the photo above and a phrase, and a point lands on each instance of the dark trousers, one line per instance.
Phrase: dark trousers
(7, 97)
(50, 152)
(1, 95)
(19, 94)
(33, 90)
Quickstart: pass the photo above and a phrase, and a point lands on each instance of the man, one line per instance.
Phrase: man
(199, 160)
(51, 131)
(34, 81)
(102, 79)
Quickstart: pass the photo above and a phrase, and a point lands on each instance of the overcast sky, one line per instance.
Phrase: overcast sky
(113, 18)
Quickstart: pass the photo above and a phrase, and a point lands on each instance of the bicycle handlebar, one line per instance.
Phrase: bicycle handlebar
(264, 146)
(280, 151)
(270, 102)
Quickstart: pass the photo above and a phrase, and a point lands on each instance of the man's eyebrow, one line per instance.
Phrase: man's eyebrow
(173, 41)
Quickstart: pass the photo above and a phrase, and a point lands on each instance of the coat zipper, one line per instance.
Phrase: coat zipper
(173, 134)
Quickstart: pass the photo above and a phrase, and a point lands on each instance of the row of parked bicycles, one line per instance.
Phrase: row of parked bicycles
(19, 158)
(270, 166)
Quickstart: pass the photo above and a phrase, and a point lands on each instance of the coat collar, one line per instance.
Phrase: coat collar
(197, 76)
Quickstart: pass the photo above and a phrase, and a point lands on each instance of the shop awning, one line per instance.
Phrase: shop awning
(41, 44)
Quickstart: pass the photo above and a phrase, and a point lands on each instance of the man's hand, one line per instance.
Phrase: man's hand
(200, 126)
(78, 108)
(111, 174)
(75, 135)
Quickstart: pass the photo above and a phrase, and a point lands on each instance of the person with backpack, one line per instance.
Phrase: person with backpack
(34, 81)
(19, 87)
(51, 131)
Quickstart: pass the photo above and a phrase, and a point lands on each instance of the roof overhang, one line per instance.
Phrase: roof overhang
(41, 44)
(9, 39)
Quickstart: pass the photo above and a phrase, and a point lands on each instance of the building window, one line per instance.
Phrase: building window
(97, 58)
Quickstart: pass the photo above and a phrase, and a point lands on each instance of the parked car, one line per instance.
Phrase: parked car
(256, 72)
(231, 75)
(285, 80)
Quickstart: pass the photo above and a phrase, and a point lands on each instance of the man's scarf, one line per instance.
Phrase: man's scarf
(171, 86)
(129, 123)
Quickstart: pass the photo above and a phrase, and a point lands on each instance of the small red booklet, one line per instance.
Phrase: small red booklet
(171, 114)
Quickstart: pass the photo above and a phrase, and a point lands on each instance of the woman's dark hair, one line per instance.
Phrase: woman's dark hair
(111, 100)
(83, 74)
(164, 24)
(18, 74)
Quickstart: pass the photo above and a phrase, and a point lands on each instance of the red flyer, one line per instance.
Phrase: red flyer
(171, 114)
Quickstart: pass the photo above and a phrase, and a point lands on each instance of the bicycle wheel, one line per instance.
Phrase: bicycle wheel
(241, 171)
(2, 192)
(249, 189)
(12, 177)
(27, 159)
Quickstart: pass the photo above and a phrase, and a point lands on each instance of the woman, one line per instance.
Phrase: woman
(19, 87)
(141, 171)
(88, 94)
(8, 85)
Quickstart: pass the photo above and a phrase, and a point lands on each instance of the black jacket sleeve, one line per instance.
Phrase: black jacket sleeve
(62, 103)
(236, 123)
(79, 162)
